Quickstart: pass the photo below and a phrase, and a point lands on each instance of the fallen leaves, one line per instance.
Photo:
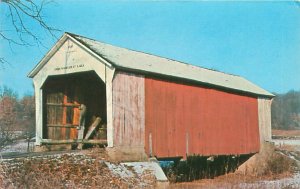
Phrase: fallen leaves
(72, 170)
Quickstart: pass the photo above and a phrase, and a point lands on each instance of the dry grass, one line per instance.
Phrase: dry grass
(269, 163)
(264, 171)
(286, 147)
(260, 171)
(237, 181)
(278, 164)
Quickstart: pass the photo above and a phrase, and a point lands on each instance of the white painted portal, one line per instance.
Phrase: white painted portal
(70, 58)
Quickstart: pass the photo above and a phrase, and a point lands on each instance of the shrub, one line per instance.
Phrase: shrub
(279, 163)
(200, 167)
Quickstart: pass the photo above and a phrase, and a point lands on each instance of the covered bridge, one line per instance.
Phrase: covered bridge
(148, 104)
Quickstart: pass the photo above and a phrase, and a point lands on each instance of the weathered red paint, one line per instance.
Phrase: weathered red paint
(184, 119)
(128, 108)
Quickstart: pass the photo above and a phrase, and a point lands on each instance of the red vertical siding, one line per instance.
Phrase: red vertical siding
(185, 119)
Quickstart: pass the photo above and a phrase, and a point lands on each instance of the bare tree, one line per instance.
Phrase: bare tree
(8, 115)
(18, 13)
(17, 116)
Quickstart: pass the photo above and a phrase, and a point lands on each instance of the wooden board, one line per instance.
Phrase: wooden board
(92, 128)
(73, 141)
(61, 114)
(80, 133)
(128, 110)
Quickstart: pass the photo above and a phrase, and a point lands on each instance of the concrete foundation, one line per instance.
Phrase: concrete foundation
(126, 154)
(255, 164)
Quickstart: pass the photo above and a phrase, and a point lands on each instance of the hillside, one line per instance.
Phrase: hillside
(286, 111)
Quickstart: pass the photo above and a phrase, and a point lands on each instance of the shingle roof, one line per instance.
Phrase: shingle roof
(147, 63)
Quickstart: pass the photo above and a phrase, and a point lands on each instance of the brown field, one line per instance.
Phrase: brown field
(287, 133)
(235, 181)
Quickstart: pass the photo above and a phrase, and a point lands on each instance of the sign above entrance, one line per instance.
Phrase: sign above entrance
(69, 67)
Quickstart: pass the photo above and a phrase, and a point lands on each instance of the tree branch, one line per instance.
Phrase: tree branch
(19, 11)
(3, 62)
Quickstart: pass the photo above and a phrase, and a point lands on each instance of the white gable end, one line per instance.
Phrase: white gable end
(70, 58)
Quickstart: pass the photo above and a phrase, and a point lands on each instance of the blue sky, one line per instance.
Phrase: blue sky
(257, 40)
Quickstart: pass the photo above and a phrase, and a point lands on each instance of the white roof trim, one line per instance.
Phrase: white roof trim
(89, 50)
(49, 54)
